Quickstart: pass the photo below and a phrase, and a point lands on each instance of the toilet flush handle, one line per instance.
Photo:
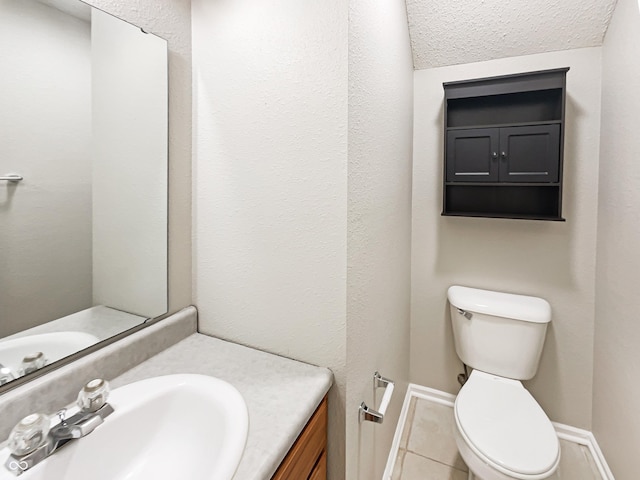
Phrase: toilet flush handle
(465, 314)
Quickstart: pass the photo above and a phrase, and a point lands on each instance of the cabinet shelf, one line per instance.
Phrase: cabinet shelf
(504, 201)
(499, 125)
(511, 109)
(504, 141)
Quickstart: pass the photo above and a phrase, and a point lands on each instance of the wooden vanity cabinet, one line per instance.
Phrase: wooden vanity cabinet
(307, 459)
(503, 146)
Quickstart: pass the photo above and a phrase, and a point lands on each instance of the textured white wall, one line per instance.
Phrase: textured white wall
(452, 33)
(553, 260)
(45, 125)
(379, 223)
(616, 392)
(270, 182)
(171, 20)
(129, 159)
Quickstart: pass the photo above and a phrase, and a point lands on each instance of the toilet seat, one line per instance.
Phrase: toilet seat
(503, 425)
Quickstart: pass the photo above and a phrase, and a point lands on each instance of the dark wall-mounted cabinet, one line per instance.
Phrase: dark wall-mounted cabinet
(503, 146)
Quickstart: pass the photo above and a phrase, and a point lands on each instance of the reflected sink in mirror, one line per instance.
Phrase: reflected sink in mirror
(162, 428)
(53, 346)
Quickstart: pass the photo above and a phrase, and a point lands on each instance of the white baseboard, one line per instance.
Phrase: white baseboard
(565, 432)
(395, 444)
(432, 394)
(586, 438)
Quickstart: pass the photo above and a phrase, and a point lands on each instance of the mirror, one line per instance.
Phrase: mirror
(83, 180)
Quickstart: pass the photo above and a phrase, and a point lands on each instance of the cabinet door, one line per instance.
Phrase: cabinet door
(308, 450)
(530, 154)
(472, 155)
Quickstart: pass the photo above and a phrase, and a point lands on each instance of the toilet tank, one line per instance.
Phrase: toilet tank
(499, 333)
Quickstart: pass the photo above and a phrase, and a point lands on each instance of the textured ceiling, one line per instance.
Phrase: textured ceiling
(450, 32)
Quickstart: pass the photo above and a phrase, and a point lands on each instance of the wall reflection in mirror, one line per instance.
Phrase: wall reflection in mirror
(83, 233)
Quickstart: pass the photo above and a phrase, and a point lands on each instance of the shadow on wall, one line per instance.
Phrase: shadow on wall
(5, 203)
(551, 381)
(449, 355)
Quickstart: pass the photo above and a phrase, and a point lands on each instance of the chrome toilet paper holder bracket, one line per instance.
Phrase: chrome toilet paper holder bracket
(377, 416)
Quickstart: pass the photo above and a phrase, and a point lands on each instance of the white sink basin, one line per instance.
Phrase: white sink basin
(54, 346)
(164, 428)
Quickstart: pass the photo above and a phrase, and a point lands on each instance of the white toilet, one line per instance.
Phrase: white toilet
(501, 431)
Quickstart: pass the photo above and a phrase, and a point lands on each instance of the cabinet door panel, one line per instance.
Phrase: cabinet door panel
(309, 447)
(472, 155)
(530, 154)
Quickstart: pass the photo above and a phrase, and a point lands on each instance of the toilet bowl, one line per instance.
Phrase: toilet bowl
(502, 433)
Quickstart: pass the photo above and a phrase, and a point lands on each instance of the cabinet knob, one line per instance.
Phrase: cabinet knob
(503, 155)
(494, 155)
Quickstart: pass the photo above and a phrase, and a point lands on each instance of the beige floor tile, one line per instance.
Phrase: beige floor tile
(576, 463)
(432, 434)
(416, 467)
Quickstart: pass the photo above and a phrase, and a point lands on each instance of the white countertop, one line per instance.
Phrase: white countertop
(281, 394)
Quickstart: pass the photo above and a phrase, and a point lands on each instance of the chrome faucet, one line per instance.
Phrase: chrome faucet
(33, 439)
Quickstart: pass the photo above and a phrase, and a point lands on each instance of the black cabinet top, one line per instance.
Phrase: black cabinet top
(503, 146)
(505, 84)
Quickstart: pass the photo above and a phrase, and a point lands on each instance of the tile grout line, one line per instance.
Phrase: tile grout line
(435, 460)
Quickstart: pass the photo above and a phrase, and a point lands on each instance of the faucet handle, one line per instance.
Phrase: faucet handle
(93, 395)
(28, 434)
(32, 362)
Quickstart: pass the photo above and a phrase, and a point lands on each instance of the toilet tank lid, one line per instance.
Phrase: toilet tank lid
(499, 304)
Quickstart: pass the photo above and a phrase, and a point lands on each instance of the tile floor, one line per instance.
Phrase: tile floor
(428, 450)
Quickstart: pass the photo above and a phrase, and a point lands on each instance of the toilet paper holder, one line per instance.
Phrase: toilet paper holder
(371, 415)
